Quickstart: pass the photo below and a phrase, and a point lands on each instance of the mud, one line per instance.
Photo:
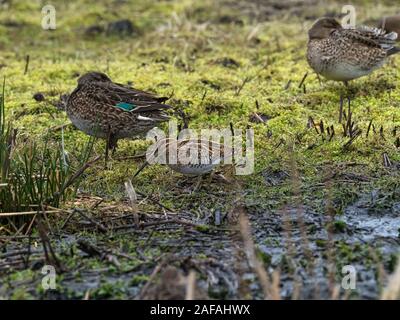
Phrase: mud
(296, 240)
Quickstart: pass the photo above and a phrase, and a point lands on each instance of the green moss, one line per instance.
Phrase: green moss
(21, 294)
(321, 243)
(23, 275)
(264, 257)
(115, 290)
(339, 226)
(392, 263)
(138, 279)
(203, 228)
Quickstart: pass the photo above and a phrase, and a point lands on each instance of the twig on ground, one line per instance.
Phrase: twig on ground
(132, 200)
(303, 79)
(97, 224)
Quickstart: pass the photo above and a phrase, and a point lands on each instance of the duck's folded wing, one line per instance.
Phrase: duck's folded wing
(119, 93)
(140, 106)
(370, 37)
(140, 94)
(385, 39)
(127, 99)
(143, 95)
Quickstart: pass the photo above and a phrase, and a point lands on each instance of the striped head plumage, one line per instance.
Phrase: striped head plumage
(105, 109)
(344, 54)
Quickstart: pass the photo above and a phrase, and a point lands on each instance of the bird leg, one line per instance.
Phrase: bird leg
(191, 180)
(107, 150)
(197, 185)
(348, 89)
(348, 96)
(341, 109)
(111, 144)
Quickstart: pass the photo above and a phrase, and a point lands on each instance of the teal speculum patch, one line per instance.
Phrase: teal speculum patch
(125, 106)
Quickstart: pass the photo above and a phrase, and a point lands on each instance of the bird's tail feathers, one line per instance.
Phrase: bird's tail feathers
(393, 50)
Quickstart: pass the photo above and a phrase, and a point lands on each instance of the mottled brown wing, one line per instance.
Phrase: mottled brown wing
(370, 37)
(139, 94)
(359, 48)
(112, 94)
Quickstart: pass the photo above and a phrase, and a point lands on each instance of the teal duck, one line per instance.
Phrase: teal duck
(102, 108)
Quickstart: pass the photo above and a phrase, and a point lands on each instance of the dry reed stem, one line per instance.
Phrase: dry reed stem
(255, 263)
(392, 290)
(190, 286)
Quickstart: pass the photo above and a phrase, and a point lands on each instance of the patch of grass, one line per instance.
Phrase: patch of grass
(339, 226)
(109, 290)
(34, 174)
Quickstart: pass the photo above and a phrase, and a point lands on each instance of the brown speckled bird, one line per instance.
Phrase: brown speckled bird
(346, 54)
(390, 24)
(194, 157)
(190, 157)
(112, 111)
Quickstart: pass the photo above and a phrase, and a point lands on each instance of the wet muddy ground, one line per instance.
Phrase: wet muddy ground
(306, 246)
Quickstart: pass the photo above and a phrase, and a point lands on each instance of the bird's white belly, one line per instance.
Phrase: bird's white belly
(88, 127)
(193, 170)
(100, 131)
(346, 72)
